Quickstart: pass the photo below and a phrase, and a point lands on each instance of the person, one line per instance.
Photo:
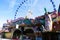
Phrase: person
(38, 38)
(27, 38)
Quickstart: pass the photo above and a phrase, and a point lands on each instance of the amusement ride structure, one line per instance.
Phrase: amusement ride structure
(21, 27)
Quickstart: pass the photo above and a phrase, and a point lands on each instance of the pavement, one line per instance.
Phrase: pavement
(4, 39)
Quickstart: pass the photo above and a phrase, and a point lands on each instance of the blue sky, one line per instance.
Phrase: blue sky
(8, 8)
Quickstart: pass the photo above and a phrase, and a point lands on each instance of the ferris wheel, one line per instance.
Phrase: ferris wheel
(30, 4)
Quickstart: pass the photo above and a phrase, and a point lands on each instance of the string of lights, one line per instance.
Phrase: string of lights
(19, 7)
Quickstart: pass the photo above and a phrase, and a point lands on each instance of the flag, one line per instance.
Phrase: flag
(45, 10)
(59, 10)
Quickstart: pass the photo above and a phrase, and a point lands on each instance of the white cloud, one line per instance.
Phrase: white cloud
(1, 23)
